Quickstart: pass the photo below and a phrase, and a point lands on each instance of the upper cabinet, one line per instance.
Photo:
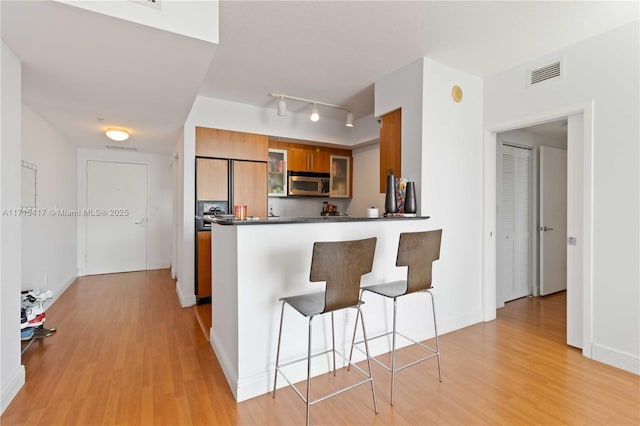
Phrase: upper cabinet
(233, 145)
(390, 146)
(307, 158)
(277, 172)
(340, 176)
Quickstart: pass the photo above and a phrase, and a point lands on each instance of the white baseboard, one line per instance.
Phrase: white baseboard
(186, 300)
(153, 266)
(227, 368)
(12, 387)
(615, 358)
(65, 286)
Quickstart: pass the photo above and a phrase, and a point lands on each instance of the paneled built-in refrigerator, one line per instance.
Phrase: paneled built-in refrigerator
(223, 183)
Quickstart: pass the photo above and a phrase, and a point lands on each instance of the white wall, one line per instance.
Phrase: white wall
(442, 153)
(12, 374)
(197, 19)
(404, 89)
(366, 181)
(451, 185)
(159, 202)
(49, 241)
(604, 69)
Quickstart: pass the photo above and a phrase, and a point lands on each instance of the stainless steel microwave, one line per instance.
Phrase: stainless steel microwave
(311, 184)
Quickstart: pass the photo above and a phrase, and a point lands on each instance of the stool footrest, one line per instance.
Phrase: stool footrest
(339, 391)
(385, 366)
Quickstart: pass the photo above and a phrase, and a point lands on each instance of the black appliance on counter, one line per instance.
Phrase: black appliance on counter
(214, 209)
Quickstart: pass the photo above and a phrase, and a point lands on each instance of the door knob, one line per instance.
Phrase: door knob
(544, 228)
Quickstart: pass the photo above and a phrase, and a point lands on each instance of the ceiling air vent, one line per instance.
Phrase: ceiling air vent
(547, 72)
(121, 148)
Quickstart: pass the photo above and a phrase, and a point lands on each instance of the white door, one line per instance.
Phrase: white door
(553, 220)
(116, 217)
(514, 239)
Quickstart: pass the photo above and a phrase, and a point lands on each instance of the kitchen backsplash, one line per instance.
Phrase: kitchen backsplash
(303, 206)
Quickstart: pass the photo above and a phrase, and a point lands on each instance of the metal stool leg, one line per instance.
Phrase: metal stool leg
(309, 370)
(366, 347)
(333, 342)
(435, 329)
(275, 378)
(393, 349)
(353, 340)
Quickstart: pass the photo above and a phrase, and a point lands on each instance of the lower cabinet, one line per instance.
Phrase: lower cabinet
(203, 273)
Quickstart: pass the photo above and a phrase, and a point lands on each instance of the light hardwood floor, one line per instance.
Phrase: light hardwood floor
(126, 353)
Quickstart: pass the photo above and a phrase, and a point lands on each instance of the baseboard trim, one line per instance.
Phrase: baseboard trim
(153, 266)
(65, 286)
(185, 300)
(227, 368)
(11, 389)
(615, 358)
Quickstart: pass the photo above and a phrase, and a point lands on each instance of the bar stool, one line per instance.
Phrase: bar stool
(341, 264)
(417, 251)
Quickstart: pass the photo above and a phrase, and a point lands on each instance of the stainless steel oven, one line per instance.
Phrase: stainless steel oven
(211, 209)
(309, 184)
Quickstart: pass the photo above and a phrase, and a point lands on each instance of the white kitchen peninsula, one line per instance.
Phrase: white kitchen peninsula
(256, 263)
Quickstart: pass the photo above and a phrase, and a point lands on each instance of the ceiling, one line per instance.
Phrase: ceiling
(79, 67)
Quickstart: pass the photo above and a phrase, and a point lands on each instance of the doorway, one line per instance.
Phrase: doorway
(116, 217)
(579, 225)
(531, 211)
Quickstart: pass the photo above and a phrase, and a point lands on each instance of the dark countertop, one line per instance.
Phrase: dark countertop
(317, 219)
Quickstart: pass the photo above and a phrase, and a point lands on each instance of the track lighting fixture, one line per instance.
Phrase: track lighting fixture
(349, 122)
(315, 114)
(282, 107)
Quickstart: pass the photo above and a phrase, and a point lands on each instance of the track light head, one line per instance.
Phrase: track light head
(349, 122)
(282, 107)
(315, 115)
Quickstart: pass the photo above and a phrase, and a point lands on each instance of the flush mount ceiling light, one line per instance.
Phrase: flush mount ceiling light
(117, 135)
(315, 114)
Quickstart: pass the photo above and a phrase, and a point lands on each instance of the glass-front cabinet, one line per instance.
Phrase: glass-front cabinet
(277, 182)
(339, 176)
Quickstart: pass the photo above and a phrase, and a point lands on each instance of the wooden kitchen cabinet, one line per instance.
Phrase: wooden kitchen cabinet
(212, 179)
(229, 144)
(390, 146)
(203, 273)
(250, 187)
(308, 158)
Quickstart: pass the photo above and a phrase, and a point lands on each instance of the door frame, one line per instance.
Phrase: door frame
(489, 214)
(83, 195)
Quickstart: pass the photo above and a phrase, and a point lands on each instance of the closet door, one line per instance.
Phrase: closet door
(514, 239)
